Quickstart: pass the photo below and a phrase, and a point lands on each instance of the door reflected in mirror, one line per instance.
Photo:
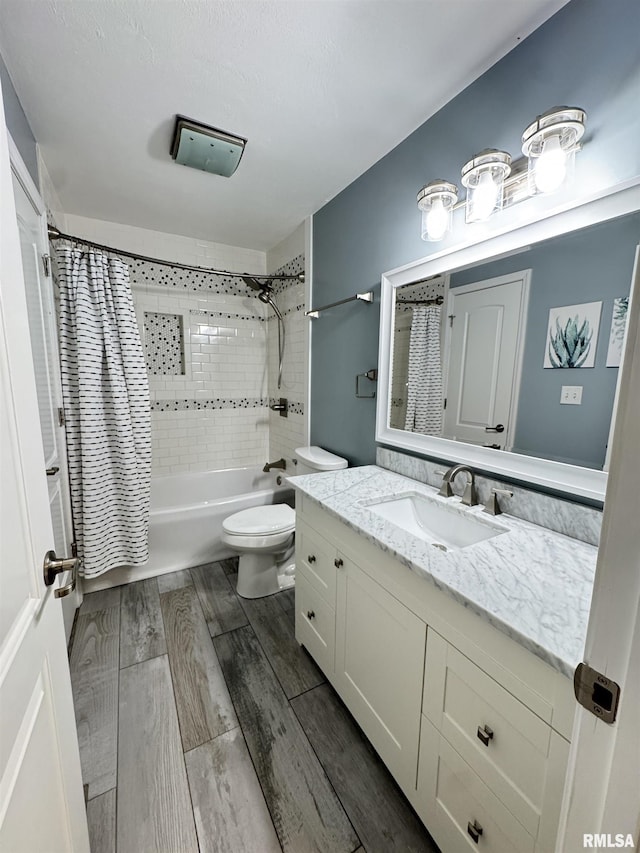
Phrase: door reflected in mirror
(518, 353)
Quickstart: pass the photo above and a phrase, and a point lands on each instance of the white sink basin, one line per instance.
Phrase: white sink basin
(445, 527)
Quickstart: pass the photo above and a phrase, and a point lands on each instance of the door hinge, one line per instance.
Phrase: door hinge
(444, 405)
(451, 319)
(596, 692)
(46, 263)
(61, 418)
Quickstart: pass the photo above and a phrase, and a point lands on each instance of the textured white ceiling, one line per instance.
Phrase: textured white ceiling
(321, 88)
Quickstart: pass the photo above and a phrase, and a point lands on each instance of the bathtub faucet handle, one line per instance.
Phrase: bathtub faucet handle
(281, 463)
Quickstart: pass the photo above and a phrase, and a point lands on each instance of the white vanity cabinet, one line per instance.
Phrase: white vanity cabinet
(380, 648)
(473, 727)
(367, 643)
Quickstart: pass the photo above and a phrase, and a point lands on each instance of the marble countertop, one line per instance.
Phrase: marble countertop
(529, 582)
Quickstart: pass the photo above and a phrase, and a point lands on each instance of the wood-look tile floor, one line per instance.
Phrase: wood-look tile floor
(205, 728)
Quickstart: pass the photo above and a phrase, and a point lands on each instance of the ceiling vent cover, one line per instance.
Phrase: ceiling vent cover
(206, 148)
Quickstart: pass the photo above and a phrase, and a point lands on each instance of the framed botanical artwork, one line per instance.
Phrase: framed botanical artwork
(572, 335)
(616, 335)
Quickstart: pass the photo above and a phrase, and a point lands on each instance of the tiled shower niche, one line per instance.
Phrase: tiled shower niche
(164, 344)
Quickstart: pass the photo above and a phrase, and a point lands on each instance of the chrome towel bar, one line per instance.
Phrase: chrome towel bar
(314, 313)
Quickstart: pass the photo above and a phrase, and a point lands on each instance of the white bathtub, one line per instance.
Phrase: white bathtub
(187, 511)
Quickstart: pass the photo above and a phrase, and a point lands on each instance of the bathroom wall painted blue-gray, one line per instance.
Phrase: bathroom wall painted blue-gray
(587, 55)
(17, 124)
(594, 265)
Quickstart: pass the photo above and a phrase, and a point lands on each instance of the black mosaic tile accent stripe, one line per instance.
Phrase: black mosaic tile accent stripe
(422, 290)
(293, 267)
(288, 311)
(295, 407)
(214, 403)
(144, 273)
(225, 316)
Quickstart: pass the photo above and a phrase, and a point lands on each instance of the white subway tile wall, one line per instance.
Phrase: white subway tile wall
(208, 439)
(227, 382)
(216, 416)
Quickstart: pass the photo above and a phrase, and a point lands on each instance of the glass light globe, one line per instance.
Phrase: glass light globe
(437, 220)
(551, 166)
(485, 196)
(484, 176)
(436, 201)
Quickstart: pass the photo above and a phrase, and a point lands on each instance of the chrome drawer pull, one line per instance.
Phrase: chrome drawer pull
(485, 734)
(475, 830)
(338, 563)
(311, 558)
(310, 614)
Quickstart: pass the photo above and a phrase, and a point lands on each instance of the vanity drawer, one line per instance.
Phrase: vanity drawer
(315, 623)
(504, 742)
(460, 811)
(314, 553)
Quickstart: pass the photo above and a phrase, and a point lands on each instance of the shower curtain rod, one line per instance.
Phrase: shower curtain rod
(438, 300)
(55, 234)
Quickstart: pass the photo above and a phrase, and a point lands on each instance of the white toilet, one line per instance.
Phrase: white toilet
(263, 535)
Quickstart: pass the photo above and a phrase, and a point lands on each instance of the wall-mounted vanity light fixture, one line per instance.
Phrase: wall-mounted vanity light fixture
(492, 181)
(436, 201)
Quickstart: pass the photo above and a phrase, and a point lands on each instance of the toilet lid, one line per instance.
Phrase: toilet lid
(261, 520)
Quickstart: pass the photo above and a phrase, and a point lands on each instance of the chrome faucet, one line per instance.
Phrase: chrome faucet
(469, 497)
(281, 463)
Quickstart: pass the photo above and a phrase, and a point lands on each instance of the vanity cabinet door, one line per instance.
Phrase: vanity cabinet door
(380, 649)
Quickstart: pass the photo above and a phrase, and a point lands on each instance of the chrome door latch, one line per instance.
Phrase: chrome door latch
(596, 692)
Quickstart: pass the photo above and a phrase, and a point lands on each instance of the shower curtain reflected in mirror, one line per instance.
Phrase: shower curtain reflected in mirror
(107, 411)
(424, 380)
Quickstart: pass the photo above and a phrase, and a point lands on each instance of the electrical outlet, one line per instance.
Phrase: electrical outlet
(571, 395)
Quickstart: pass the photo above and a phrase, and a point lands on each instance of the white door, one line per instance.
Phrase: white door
(602, 794)
(486, 340)
(31, 217)
(41, 799)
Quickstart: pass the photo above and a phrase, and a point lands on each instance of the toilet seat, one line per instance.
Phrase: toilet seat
(261, 521)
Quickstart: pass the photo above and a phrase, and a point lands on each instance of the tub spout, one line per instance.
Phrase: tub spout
(281, 463)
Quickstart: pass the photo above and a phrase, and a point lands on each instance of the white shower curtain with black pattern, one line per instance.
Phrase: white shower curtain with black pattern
(424, 380)
(106, 402)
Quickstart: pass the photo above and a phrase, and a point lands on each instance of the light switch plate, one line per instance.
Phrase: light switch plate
(571, 395)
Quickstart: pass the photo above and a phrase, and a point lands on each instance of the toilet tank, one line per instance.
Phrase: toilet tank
(312, 460)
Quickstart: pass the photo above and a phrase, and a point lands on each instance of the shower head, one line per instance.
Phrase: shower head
(267, 299)
(264, 287)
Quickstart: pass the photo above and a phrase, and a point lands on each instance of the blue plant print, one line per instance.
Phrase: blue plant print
(570, 344)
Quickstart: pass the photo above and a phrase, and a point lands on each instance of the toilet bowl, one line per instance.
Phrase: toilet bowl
(263, 536)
